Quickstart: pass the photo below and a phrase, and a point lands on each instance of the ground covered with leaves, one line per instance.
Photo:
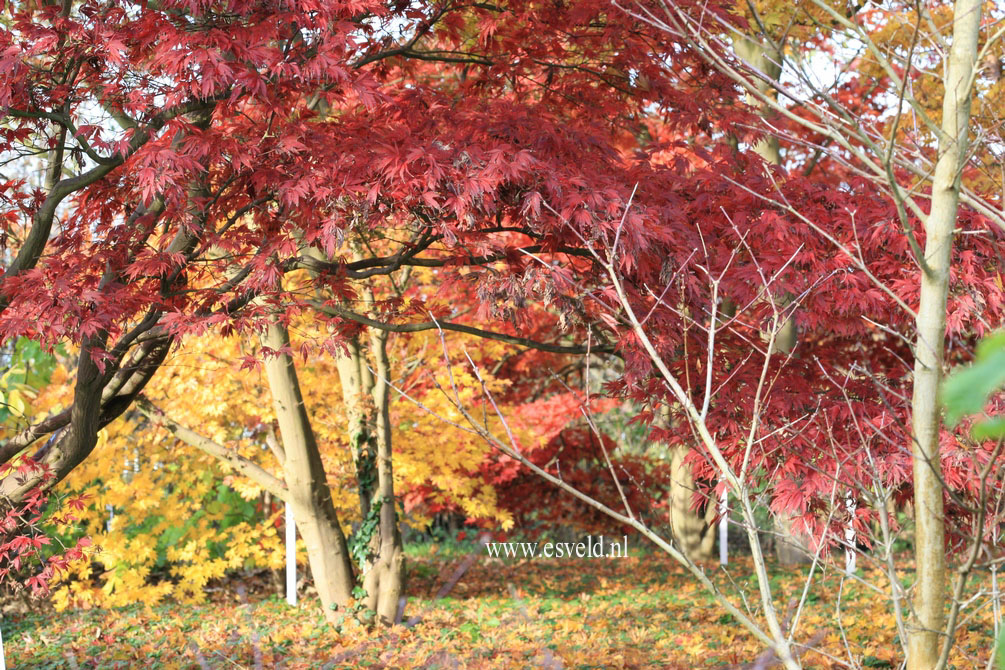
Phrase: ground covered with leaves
(640, 612)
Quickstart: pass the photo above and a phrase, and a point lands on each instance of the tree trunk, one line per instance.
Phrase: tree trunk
(384, 579)
(307, 484)
(929, 548)
(693, 530)
(367, 403)
(790, 548)
(768, 62)
(357, 394)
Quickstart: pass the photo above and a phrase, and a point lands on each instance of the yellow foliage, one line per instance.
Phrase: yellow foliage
(166, 518)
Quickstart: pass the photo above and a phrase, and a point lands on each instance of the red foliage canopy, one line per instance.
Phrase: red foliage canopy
(196, 149)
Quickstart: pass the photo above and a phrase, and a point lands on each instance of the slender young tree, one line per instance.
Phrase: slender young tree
(927, 633)
(919, 157)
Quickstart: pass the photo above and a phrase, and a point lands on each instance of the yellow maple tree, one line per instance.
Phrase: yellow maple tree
(167, 518)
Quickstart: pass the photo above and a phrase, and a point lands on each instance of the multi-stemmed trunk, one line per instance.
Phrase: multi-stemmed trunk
(303, 483)
(383, 579)
(366, 395)
(306, 483)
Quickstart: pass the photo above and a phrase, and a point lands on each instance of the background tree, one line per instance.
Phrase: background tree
(920, 163)
(227, 480)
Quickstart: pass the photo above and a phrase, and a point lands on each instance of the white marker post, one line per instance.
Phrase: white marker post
(3, 662)
(291, 558)
(724, 528)
(849, 535)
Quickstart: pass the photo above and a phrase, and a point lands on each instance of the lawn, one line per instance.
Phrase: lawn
(640, 612)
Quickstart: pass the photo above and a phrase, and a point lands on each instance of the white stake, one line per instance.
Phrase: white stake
(3, 661)
(724, 528)
(291, 558)
(849, 535)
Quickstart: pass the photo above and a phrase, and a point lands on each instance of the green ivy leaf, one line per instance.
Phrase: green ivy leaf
(967, 390)
(992, 429)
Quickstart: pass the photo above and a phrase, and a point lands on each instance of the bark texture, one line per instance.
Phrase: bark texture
(306, 481)
(357, 389)
(926, 626)
(384, 578)
(366, 395)
(693, 529)
(367, 400)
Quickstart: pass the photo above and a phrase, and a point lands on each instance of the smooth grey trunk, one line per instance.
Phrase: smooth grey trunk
(306, 482)
(385, 572)
(790, 548)
(768, 62)
(357, 398)
(693, 530)
(366, 397)
(928, 621)
(367, 402)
